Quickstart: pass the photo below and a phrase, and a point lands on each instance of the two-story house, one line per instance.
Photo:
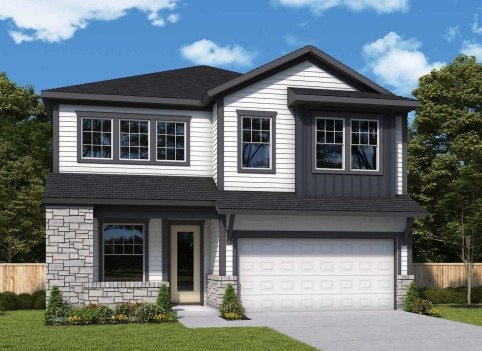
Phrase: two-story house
(289, 181)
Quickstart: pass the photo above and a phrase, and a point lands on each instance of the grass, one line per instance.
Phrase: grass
(25, 330)
(463, 315)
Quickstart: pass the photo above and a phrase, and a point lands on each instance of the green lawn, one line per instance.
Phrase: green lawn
(464, 315)
(25, 330)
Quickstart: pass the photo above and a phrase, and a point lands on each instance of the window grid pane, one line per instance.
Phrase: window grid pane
(329, 143)
(256, 142)
(171, 141)
(364, 147)
(134, 139)
(96, 138)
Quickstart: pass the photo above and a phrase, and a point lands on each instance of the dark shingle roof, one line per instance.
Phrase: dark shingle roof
(184, 83)
(109, 189)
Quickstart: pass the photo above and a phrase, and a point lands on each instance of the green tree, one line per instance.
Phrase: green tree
(25, 160)
(445, 164)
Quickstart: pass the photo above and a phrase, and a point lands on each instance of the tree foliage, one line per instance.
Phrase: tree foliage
(25, 160)
(445, 163)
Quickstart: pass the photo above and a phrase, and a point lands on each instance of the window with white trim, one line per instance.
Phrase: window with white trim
(256, 142)
(171, 141)
(346, 145)
(329, 141)
(134, 139)
(96, 137)
(364, 144)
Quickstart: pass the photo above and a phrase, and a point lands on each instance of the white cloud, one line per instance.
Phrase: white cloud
(57, 20)
(451, 33)
(173, 18)
(472, 49)
(206, 52)
(293, 40)
(475, 26)
(398, 62)
(319, 6)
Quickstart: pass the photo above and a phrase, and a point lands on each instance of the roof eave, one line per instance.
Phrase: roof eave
(81, 97)
(302, 212)
(295, 99)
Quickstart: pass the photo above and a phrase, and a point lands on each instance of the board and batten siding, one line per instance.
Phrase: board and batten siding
(155, 250)
(270, 94)
(200, 144)
(399, 152)
(320, 223)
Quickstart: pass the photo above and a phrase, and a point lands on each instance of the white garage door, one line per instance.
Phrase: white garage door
(316, 274)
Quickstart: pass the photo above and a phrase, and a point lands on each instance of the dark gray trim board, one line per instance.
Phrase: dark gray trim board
(134, 202)
(220, 144)
(264, 114)
(405, 154)
(222, 246)
(55, 141)
(53, 95)
(170, 212)
(312, 234)
(320, 213)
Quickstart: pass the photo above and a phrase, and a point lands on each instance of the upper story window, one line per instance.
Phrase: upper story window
(96, 135)
(134, 140)
(329, 143)
(256, 141)
(124, 138)
(171, 141)
(364, 144)
(336, 137)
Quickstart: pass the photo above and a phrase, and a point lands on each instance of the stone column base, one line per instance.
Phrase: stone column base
(216, 286)
(403, 281)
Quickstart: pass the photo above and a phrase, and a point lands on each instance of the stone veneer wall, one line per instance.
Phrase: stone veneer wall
(112, 293)
(216, 286)
(403, 281)
(69, 250)
(70, 262)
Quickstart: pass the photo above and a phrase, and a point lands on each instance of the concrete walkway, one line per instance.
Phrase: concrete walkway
(350, 331)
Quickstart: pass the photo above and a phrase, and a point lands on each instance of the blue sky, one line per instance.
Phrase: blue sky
(53, 43)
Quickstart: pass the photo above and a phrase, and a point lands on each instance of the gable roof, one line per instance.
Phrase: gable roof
(199, 86)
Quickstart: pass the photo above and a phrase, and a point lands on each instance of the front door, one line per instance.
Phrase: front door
(186, 264)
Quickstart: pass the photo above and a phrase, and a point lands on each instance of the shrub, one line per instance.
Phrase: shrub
(422, 306)
(8, 300)
(410, 297)
(38, 298)
(231, 308)
(56, 313)
(24, 302)
(75, 316)
(97, 314)
(126, 309)
(164, 298)
(451, 295)
(146, 313)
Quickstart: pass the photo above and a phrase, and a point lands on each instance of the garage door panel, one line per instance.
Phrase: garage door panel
(316, 274)
(259, 285)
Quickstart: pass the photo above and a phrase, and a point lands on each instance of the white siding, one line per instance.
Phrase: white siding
(155, 250)
(320, 223)
(215, 142)
(229, 260)
(96, 251)
(270, 94)
(399, 148)
(200, 145)
(404, 256)
(214, 248)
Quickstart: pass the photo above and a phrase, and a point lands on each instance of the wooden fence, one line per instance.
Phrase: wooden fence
(30, 277)
(443, 275)
(22, 277)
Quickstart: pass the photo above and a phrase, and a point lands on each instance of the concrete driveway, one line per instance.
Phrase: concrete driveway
(373, 331)
(350, 331)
